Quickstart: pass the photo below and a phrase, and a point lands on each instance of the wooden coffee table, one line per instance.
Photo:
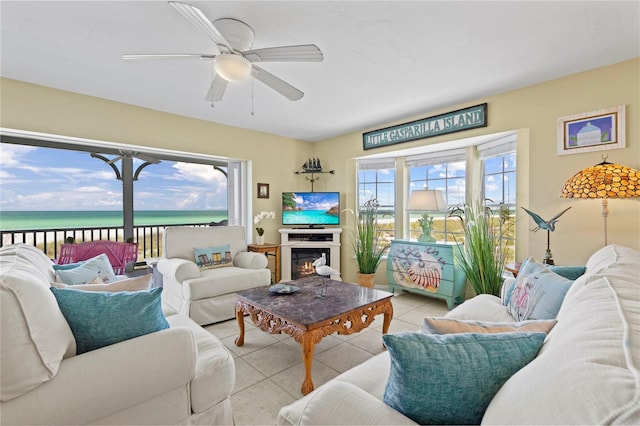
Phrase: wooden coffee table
(308, 317)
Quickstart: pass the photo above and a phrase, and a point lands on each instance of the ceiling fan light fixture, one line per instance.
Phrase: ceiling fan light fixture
(232, 67)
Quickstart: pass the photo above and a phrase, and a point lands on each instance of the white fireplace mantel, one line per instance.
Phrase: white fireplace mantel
(309, 238)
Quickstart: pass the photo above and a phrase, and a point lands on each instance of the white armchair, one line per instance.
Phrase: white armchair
(208, 295)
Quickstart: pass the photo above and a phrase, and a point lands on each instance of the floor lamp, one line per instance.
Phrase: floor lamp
(604, 180)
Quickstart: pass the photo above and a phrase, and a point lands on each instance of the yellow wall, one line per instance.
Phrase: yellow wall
(531, 111)
(40, 109)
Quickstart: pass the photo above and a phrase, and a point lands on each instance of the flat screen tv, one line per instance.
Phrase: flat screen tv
(310, 209)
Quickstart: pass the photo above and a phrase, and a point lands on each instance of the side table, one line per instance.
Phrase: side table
(269, 250)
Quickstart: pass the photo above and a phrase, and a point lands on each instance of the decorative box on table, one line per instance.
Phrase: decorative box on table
(426, 268)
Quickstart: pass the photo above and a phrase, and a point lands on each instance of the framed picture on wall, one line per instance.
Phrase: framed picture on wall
(592, 131)
(263, 190)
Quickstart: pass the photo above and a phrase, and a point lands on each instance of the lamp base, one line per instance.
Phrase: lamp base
(548, 258)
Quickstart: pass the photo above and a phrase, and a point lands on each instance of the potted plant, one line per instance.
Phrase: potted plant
(259, 229)
(368, 243)
(483, 255)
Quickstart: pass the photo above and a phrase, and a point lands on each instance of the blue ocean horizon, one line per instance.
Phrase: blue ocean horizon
(73, 219)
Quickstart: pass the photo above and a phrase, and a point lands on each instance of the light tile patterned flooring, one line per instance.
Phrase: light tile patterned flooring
(269, 368)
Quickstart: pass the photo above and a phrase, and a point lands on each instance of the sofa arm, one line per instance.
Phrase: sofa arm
(340, 403)
(178, 269)
(108, 380)
(250, 260)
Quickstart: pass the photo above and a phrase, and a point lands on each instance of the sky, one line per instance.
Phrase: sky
(34, 178)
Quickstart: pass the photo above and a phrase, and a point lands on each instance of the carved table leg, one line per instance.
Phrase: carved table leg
(308, 344)
(240, 319)
(388, 315)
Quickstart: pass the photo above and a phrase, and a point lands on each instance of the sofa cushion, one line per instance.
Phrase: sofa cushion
(216, 282)
(213, 257)
(451, 325)
(99, 319)
(34, 334)
(87, 271)
(538, 293)
(451, 378)
(483, 307)
(587, 370)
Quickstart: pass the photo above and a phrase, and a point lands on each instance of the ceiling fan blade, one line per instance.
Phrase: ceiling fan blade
(156, 56)
(216, 91)
(200, 21)
(280, 86)
(300, 53)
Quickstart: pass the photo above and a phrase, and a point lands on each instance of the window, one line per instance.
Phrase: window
(487, 168)
(499, 189)
(377, 179)
(443, 171)
(100, 190)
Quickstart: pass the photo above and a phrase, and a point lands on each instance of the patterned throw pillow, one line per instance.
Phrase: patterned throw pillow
(213, 257)
(444, 325)
(87, 271)
(537, 293)
(452, 378)
(99, 319)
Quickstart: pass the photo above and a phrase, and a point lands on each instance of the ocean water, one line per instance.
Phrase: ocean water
(306, 217)
(32, 220)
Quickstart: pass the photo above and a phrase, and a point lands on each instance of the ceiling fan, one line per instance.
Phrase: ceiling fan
(232, 60)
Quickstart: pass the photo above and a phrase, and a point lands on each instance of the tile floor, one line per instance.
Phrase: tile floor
(269, 368)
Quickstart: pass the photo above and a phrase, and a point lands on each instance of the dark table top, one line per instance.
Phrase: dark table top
(305, 307)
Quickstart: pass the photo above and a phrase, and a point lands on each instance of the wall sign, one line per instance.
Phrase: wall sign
(450, 122)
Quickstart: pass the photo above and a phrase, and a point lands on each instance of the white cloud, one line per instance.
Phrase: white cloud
(200, 173)
(190, 200)
(11, 155)
(89, 189)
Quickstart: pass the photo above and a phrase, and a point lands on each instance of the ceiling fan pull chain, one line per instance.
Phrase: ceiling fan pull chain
(252, 80)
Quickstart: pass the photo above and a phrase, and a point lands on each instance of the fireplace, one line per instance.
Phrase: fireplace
(300, 247)
(302, 260)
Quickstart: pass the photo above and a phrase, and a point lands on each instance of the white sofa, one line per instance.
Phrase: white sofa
(208, 295)
(180, 375)
(587, 371)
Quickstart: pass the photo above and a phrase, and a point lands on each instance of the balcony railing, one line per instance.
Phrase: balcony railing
(148, 237)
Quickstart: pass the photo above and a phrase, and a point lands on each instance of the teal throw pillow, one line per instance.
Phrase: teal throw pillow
(100, 319)
(213, 257)
(537, 293)
(86, 272)
(452, 378)
(568, 272)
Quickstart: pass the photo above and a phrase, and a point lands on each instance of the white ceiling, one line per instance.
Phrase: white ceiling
(384, 60)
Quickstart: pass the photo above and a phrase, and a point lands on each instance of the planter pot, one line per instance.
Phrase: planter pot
(366, 280)
(260, 240)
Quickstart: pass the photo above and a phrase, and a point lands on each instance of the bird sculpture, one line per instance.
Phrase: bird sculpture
(321, 267)
(547, 225)
(325, 271)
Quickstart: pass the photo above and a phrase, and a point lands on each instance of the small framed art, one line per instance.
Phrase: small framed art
(592, 131)
(263, 190)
